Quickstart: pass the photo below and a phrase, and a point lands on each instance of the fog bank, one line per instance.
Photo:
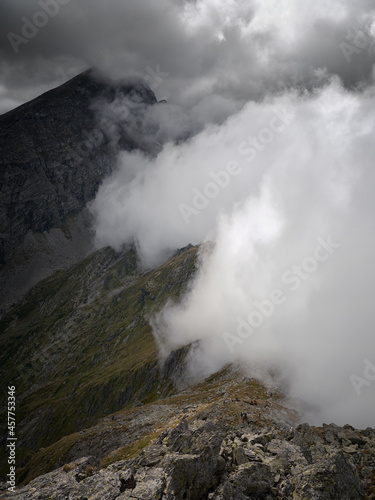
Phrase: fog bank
(284, 188)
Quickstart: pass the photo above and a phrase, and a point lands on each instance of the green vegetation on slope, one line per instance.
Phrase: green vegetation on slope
(80, 345)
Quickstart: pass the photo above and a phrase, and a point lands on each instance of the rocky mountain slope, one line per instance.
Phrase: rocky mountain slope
(194, 446)
(80, 345)
(55, 151)
(99, 417)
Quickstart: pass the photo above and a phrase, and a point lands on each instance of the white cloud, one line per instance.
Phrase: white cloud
(311, 180)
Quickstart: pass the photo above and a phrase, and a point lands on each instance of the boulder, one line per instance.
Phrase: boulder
(331, 478)
(253, 479)
(239, 455)
(149, 483)
(227, 491)
(191, 476)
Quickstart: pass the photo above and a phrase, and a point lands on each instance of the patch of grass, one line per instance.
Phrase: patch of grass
(69, 467)
(46, 459)
(128, 451)
(89, 470)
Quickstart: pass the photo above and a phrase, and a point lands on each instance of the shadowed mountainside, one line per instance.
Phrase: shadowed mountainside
(55, 151)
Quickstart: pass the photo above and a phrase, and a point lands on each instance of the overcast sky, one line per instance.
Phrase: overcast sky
(280, 175)
(236, 49)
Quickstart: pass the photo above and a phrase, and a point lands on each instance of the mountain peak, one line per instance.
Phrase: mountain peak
(55, 152)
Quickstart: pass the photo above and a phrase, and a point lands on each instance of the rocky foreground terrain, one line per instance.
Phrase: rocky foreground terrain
(195, 446)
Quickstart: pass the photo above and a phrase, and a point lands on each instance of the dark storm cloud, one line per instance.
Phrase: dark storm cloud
(239, 50)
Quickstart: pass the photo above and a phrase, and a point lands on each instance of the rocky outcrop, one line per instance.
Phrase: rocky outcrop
(55, 151)
(210, 460)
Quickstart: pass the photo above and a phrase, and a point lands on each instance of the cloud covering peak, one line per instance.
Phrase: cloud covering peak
(187, 50)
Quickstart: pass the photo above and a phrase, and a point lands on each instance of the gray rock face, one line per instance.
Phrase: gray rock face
(55, 151)
(331, 477)
(41, 254)
(197, 461)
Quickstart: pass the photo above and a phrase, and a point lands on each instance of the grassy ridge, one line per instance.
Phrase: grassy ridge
(80, 346)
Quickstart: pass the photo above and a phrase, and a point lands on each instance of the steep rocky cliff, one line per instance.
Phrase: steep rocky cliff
(55, 151)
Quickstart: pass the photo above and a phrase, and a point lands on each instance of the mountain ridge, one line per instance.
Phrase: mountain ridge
(80, 345)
